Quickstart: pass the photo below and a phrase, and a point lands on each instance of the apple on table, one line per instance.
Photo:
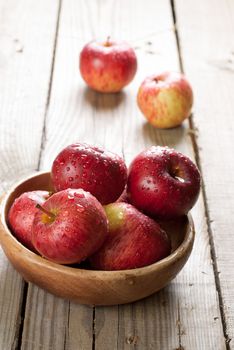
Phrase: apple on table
(165, 99)
(108, 66)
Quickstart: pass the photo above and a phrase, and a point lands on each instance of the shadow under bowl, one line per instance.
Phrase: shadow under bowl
(88, 286)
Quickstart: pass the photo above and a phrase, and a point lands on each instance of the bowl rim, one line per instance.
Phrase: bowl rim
(34, 258)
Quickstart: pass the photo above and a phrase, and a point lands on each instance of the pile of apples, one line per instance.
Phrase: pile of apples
(104, 213)
(99, 211)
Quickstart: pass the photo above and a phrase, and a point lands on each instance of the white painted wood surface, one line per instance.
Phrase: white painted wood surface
(186, 314)
(207, 45)
(26, 48)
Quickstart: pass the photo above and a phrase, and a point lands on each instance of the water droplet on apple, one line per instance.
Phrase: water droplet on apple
(67, 168)
(70, 178)
(80, 208)
(83, 156)
(79, 195)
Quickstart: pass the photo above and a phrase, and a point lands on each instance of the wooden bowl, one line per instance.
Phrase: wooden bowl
(89, 286)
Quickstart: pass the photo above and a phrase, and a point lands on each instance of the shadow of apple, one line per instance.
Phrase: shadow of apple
(104, 101)
(170, 137)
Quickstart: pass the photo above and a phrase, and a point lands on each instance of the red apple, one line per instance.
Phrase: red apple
(21, 215)
(107, 66)
(134, 240)
(98, 171)
(70, 226)
(163, 182)
(165, 99)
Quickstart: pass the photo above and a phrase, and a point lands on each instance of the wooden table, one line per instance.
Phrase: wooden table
(44, 106)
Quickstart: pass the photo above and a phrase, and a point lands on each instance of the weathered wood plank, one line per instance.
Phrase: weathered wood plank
(50, 322)
(206, 39)
(11, 292)
(187, 311)
(25, 51)
(51, 313)
(80, 328)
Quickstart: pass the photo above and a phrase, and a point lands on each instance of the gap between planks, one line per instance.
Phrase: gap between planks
(43, 137)
(206, 208)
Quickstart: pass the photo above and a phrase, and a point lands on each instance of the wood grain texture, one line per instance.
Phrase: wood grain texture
(77, 320)
(206, 38)
(80, 327)
(11, 294)
(25, 50)
(54, 323)
(186, 314)
(50, 315)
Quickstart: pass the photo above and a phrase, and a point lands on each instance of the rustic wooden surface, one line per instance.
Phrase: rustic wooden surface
(207, 49)
(44, 105)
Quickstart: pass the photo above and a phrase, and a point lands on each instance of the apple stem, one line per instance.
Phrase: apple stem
(51, 215)
(108, 41)
(158, 80)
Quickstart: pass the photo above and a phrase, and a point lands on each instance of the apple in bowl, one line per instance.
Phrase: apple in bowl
(165, 99)
(21, 215)
(134, 240)
(94, 169)
(70, 226)
(163, 183)
(87, 286)
(108, 66)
